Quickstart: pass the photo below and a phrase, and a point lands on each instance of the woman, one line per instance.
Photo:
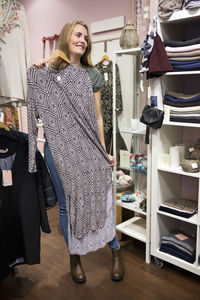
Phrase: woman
(86, 210)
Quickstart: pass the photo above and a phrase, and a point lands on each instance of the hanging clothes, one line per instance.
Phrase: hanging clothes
(64, 102)
(107, 99)
(22, 205)
(14, 54)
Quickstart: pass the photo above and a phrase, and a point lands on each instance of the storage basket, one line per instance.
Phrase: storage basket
(190, 165)
(129, 37)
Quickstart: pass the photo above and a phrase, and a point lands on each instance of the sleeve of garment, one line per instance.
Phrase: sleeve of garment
(44, 222)
(119, 104)
(46, 181)
(96, 79)
(32, 120)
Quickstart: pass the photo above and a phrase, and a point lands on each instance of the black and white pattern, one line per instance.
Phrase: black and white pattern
(191, 4)
(64, 102)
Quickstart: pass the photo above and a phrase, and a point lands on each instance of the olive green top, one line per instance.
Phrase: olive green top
(95, 77)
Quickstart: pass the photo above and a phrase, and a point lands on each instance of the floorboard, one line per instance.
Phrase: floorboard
(51, 279)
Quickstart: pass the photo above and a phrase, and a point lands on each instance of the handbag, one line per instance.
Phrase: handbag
(151, 117)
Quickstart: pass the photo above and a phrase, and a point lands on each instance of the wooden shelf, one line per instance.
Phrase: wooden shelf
(133, 131)
(131, 51)
(175, 73)
(191, 220)
(178, 262)
(181, 124)
(134, 227)
(178, 171)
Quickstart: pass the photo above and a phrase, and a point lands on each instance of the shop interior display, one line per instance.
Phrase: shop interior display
(133, 163)
(175, 227)
(156, 145)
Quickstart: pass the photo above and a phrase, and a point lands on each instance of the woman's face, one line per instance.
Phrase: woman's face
(78, 41)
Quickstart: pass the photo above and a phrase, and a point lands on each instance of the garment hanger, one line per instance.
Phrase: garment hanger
(57, 53)
(105, 57)
(2, 125)
(7, 133)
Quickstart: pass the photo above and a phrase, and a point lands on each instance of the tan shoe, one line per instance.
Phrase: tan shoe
(77, 272)
(117, 272)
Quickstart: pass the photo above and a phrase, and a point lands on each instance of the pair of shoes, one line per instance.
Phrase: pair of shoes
(77, 272)
(117, 272)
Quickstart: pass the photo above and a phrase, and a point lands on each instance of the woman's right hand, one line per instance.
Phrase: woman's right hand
(39, 62)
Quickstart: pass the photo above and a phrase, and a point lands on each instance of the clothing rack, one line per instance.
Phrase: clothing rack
(51, 39)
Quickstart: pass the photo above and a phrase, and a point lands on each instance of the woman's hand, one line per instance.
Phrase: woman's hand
(112, 160)
(39, 62)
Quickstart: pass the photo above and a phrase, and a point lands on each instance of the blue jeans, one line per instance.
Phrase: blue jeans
(61, 197)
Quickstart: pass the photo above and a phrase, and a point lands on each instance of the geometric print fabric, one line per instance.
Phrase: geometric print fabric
(64, 102)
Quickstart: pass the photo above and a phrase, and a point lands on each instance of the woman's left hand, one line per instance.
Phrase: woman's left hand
(112, 160)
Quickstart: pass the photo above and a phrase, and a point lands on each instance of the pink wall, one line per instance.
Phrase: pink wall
(47, 17)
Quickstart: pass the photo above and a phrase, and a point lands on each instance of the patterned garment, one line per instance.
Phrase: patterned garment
(10, 13)
(14, 54)
(191, 4)
(146, 50)
(64, 102)
(107, 94)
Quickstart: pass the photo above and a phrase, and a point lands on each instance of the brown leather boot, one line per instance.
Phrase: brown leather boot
(77, 272)
(117, 272)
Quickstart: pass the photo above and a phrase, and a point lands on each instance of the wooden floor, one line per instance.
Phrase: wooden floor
(51, 279)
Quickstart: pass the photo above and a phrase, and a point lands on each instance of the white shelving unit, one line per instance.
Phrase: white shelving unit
(172, 182)
(137, 227)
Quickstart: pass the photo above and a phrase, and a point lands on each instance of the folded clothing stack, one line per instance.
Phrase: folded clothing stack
(179, 245)
(181, 100)
(183, 114)
(191, 4)
(180, 207)
(183, 55)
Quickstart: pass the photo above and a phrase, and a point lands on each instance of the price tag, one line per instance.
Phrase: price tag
(4, 150)
(167, 113)
(141, 85)
(194, 165)
(7, 177)
(181, 237)
(106, 76)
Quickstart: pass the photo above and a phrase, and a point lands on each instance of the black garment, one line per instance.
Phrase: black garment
(22, 210)
(177, 253)
(172, 43)
(177, 104)
(176, 212)
(179, 245)
(185, 119)
(43, 172)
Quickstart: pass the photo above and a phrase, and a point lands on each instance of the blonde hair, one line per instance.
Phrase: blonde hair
(63, 45)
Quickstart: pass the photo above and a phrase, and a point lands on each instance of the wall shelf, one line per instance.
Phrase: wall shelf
(134, 227)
